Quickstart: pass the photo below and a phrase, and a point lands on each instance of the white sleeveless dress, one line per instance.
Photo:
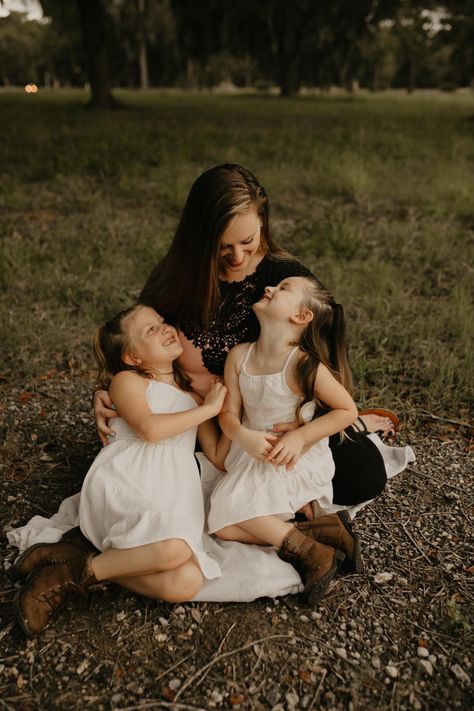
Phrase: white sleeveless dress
(252, 488)
(137, 493)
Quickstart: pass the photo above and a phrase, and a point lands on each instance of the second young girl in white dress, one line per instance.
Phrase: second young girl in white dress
(298, 366)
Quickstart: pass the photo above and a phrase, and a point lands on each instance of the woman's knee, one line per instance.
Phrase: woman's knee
(183, 584)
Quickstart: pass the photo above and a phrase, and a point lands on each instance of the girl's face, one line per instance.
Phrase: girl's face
(152, 340)
(283, 301)
(240, 244)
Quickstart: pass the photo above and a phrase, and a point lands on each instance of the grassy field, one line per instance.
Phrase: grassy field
(374, 193)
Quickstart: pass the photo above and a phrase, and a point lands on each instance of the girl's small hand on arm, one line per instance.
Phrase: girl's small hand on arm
(215, 398)
(288, 449)
(102, 412)
(257, 444)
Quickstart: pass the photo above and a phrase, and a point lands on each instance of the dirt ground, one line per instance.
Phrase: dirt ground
(397, 636)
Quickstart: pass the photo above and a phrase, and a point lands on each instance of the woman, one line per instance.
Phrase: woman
(221, 259)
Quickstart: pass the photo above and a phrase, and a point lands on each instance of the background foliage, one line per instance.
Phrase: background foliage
(375, 43)
(374, 193)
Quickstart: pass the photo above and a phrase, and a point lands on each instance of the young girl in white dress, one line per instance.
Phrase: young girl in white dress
(298, 366)
(141, 502)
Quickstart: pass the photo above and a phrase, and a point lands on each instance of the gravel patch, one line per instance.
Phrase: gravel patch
(397, 636)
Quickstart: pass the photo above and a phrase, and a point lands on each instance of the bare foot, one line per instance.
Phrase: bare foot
(375, 423)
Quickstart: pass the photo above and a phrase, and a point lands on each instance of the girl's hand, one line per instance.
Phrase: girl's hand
(257, 444)
(102, 412)
(215, 398)
(288, 450)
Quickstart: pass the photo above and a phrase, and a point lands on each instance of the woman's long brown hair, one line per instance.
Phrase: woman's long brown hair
(186, 280)
(322, 341)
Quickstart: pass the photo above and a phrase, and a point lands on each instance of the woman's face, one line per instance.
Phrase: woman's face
(239, 244)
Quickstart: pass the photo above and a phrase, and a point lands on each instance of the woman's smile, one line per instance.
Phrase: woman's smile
(240, 244)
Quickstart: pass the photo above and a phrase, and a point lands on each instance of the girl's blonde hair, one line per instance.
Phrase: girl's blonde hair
(112, 341)
(322, 341)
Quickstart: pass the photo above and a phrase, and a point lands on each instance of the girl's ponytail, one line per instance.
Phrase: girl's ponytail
(323, 341)
(110, 344)
(338, 348)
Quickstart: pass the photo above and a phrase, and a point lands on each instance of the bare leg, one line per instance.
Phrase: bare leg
(237, 533)
(264, 529)
(178, 585)
(143, 560)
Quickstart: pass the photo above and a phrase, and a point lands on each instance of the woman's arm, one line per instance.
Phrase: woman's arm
(343, 413)
(257, 444)
(127, 391)
(103, 412)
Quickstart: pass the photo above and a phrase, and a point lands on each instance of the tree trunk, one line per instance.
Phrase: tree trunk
(143, 62)
(289, 79)
(190, 74)
(94, 34)
(411, 75)
(142, 53)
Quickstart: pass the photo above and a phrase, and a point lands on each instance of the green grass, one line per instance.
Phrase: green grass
(372, 192)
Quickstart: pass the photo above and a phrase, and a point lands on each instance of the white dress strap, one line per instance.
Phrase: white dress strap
(246, 357)
(288, 358)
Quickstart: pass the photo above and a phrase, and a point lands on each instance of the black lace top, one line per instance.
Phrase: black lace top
(234, 321)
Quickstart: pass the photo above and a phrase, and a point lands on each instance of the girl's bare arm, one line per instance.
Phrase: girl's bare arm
(128, 390)
(215, 445)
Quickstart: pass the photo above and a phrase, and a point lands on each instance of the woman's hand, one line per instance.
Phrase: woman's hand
(215, 398)
(285, 426)
(257, 444)
(287, 450)
(102, 412)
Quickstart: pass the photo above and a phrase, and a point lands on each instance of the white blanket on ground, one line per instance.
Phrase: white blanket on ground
(248, 572)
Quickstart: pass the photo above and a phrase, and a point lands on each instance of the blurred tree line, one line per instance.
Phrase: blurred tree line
(289, 43)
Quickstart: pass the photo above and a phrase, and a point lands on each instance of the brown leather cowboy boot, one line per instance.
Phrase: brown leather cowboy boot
(336, 530)
(46, 590)
(71, 545)
(316, 563)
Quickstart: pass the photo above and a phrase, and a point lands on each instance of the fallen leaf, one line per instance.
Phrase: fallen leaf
(381, 578)
(25, 396)
(305, 675)
(196, 615)
(236, 699)
(48, 375)
(167, 693)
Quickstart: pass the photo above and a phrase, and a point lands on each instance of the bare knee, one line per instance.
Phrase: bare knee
(183, 584)
(227, 533)
(171, 553)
